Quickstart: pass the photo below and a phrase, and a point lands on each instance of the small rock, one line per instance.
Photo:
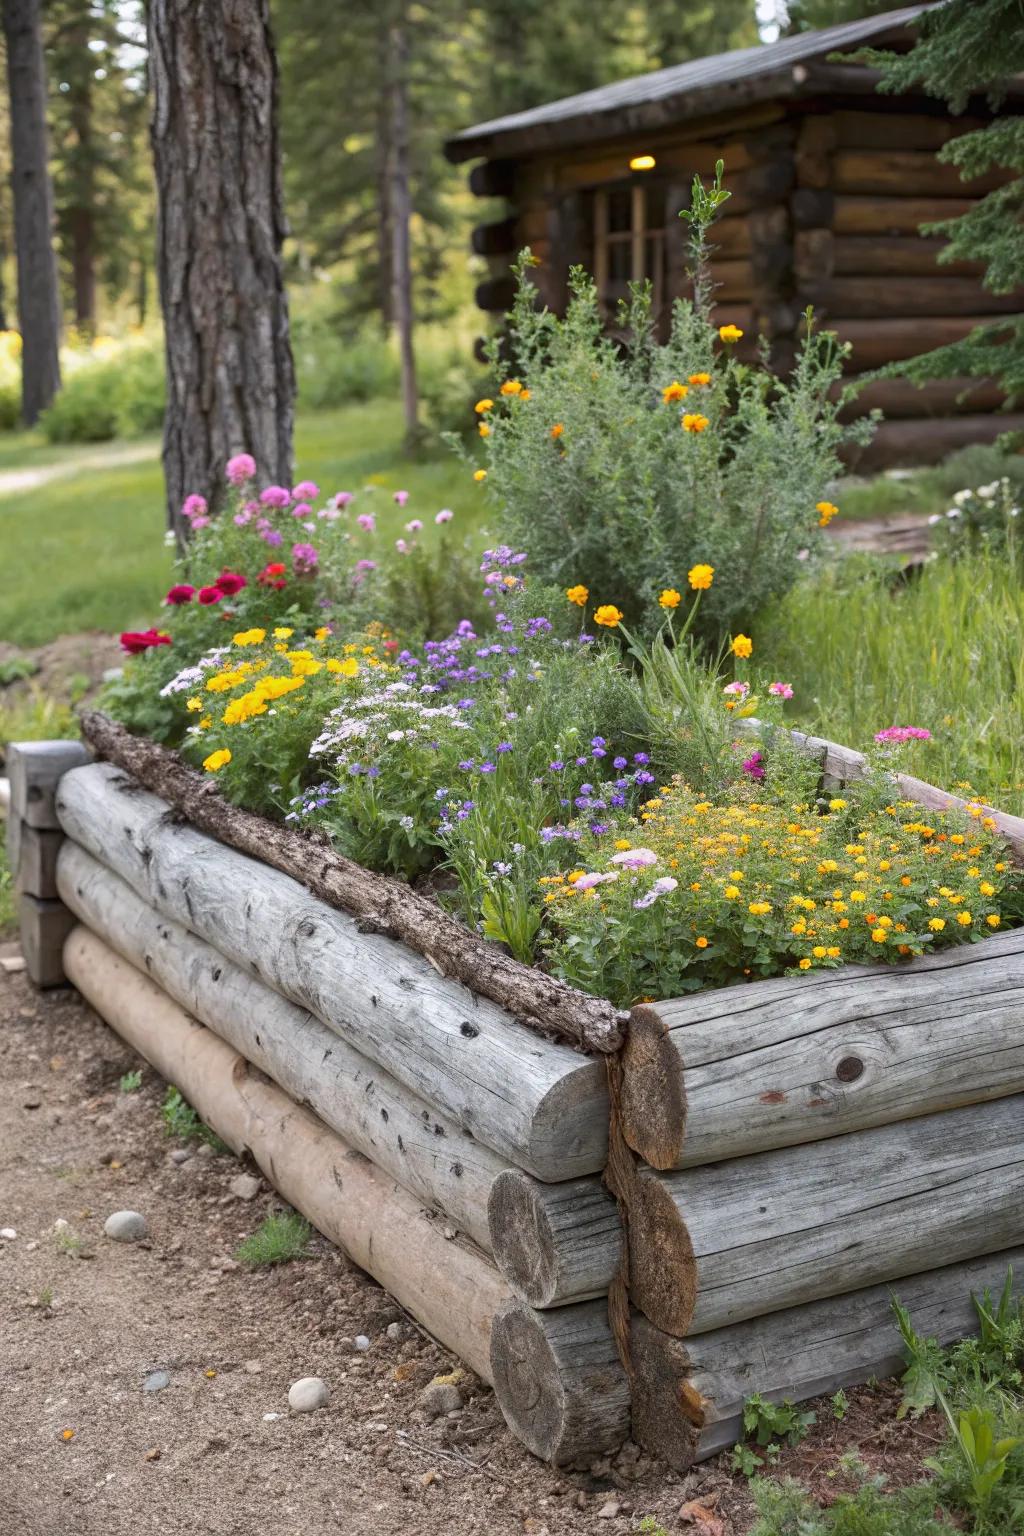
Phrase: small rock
(153, 1455)
(245, 1186)
(361, 1342)
(13, 963)
(439, 1398)
(253, 1367)
(308, 1394)
(268, 1418)
(205, 1151)
(394, 1331)
(180, 1155)
(608, 1510)
(32, 1099)
(8, 1234)
(125, 1226)
(156, 1381)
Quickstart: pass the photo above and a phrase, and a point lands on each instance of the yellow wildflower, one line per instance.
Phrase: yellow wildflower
(249, 637)
(556, 431)
(826, 511)
(479, 474)
(702, 942)
(322, 633)
(578, 595)
(670, 598)
(484, 429)
(674, 391)
(700, 378)
(700, 577)
(483, 406)
(608, 615)
(511, 387)
(217, 760)
(347, 668)
(742, 646)
(729, 332)
(805, 964)
(993, 920)
(693, 421)
(936, 924)
(194, 704)
(964, 919)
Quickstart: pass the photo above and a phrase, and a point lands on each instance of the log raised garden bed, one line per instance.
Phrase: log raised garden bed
(626, 1226)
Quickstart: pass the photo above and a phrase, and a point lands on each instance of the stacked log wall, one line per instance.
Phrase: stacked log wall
(779, 1154)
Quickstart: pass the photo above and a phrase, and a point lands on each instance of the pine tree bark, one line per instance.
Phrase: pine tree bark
(38, 302)
(230, 375)
(401, 214)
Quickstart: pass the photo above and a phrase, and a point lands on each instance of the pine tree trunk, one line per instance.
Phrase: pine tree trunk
(385, 239)
(401, 213)
(230, 376)
(80, 219)
(38, 302)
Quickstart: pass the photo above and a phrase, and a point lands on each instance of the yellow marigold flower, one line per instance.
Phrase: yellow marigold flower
(484, 429)
(556, 431)
(511, 387)
(322, 633)
(742, 646)
(693, 421)
(608, 615)
(819, 952)
(347, 668)
(194, 704)
(858, 896)
(837, 805)
(964, 919)
(993, 920)
(826, 511)
(936, 924)
(700, 577)
(249, 637)
(833, 951)
(303, 668)
(674, 391)
(479, 474)
(578, 595)
(623, 844)
(729, 332)
(670, 598)
(986, 888)
(217, 760)
(805, 964)
(731, 892)
(879, 935)
(905, 880)
(702, 942)
(759, 908)
(482, 406)
(700, 378)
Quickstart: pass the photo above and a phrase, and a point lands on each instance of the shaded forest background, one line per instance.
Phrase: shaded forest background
(467, 63)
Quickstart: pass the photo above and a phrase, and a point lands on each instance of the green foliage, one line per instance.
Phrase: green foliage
(786, 1509)
(965, 48)
(770, 1425)
(130, 1082)
(117, 391)
(840, 1404)
(986, 517)
(278, 1239)
(589, 468)
(32, 715)
(180, 1120)
(942, 651)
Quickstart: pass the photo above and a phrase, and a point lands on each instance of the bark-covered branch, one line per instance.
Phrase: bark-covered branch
(385, 906)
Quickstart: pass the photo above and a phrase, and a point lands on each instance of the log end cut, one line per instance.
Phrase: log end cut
(662, 1266)
(653, 1102)
(559, 1381)
(554, 1243)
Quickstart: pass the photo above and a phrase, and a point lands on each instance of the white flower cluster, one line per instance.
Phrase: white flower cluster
(189, 677)
(393, 713)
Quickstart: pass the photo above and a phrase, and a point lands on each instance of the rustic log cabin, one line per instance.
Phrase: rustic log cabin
(830, 181)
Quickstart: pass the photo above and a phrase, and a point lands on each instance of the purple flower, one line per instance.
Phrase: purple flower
(581, 762)
(487, 768)
(643, 777)
(598, 741)
(556, 766)
(641, 758)
(366, 522)
(444, 516)
(468, 765)
(620, 762)
(660, 887)
(305, 557)
(504, 746)
(194, 506)
(271, 536)
(754, 766)
(587, 882)
(635, 858)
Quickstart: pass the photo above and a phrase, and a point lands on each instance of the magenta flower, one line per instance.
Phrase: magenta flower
(342, 500)
(306, 490)
(241, 468)
(901, 733)
(635, 858)
(781, 690)
(401, 497)
(275, 496)
(302, 509)
(200, 522)
(241, 518)
(305, 559)
(208, 595)
(271, 536)
(401, 546)
(366, 522)
(194, 506)
(414, 526)
(754, 766)
(366, 565)
(740, 690)
(180, 594)
(445, 515)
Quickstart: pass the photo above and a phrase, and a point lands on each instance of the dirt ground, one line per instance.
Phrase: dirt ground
(84, 1451)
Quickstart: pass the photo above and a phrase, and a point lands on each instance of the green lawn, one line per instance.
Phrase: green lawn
(85, 550)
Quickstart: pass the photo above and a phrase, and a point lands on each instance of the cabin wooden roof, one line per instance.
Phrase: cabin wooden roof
(684, 91)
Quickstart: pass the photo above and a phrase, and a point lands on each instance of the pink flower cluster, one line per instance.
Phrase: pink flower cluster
(194, 509)
(781, 690)
(901, 733)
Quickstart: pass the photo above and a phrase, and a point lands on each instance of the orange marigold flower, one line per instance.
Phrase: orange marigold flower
(693, 421)
(483, 406)
(578, 595)
(557, 430)
(484, 429)
(670, 598)
(700, 378)
(674, 391)
(608, 615)
(702, 942)
(700, 577)
(742, 646)
(511, 387)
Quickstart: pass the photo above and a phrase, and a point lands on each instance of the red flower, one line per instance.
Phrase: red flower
(181, 594)
(137, 641)
(230, 582)
(274, 575)
(210, 594)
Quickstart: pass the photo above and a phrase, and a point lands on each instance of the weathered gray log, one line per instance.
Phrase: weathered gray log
(797, 1058)
(554, 1243)
(406, 1137)
(42, 928)
(449, 1286)
(537, 1103)
(34, 769)
(35, 866)
(806, 1351)
(711, 1246)
(559, 1381)
(383, 904)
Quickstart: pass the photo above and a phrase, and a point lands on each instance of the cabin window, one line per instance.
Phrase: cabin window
(629, 241)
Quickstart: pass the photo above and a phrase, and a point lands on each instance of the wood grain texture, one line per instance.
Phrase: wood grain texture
(382, 904)
(840, 1342)
(743, 1069)
(554, 1243)
(42, 928)
(712, 1246)
(929, 442)
(406, 1137)
(559, 1381)
(450, 1287)
(34, 870)
(538, 1104)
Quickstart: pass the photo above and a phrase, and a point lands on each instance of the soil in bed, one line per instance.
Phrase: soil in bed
(84, 1321)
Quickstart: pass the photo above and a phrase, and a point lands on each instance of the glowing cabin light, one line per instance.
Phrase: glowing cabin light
(642, 163)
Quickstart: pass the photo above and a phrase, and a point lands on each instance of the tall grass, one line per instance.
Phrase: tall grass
(944, 650)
